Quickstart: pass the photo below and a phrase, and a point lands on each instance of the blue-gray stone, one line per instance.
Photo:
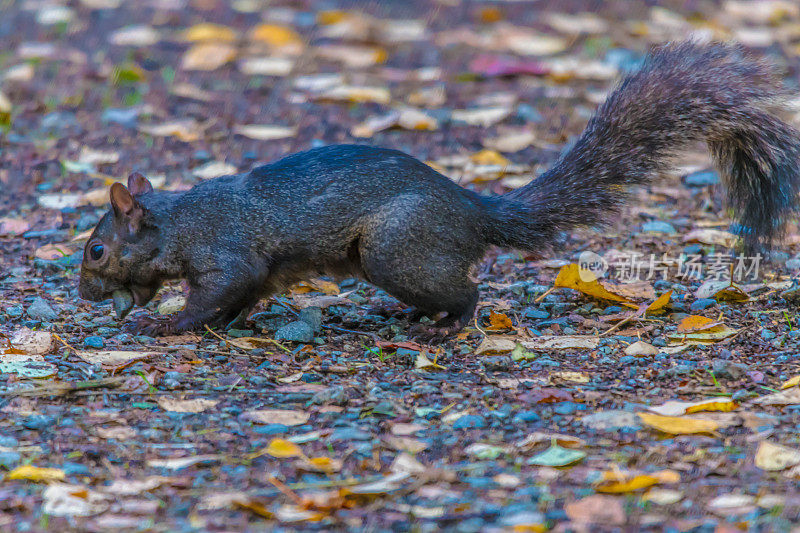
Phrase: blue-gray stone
(9, 460)
(767, 335)
(537, 314)
(94, 342)
(704, 178)
(41, 310)
(297, 331)
(469, 422)
(349, 434)
(658, 226)
(702, 303)
(38, 422)
(524, 417)
(313, 317)
(271, 429)
(7, 441)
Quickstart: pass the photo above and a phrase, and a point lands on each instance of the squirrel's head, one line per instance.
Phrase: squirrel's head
(117, 256)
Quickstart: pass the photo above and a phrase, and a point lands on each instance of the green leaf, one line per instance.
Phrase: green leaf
(555, 455)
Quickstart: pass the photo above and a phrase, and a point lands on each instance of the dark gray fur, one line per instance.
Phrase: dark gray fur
(388, 218)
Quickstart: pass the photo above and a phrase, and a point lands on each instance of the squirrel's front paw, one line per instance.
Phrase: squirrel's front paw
(152, 326)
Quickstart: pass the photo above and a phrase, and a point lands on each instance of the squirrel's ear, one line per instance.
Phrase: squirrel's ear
(126, 208)
(138, 184)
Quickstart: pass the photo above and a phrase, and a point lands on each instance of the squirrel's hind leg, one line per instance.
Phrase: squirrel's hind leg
(428, 271)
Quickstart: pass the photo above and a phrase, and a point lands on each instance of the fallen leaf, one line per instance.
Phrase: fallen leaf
(32, 342)
(356, 94)
(214, 169)
(722, 291)
(662, 496)
(659, 303)
(266, 66)
(283, 448)
(562, 342)
(570, 277)
(489, 157)
(264, 132)
(353, 56)
(36, 473)
(640, 348)
(791, 382)
(26, 365)
(711, 236)
(179, 463)
(574, 377)
(499, 322)
(540, 437)
(485, 117)
(287, 417)
(555, 455)
(208, 56)
(618, 482)
(61, 499)
(678, 425)
(423, 363)
(596, 509)
(774, 457)
(790, 396)
(277, 36)
(677, 408)
(113, 357)
(196, 405)
(495, 344)
(11, 227)
(209, 32)
(184, 130)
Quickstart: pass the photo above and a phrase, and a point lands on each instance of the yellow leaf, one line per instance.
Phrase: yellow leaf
(35, 473)
(676, 425)
(659, 303)
(283, 448)
(615, 482)
(791, 382)
(209, 32)
(719, 404)
(332, 16)
(208, 56)
(569, 276)
(423, 363)
(489, 157)
(276, 36)
(677, 408)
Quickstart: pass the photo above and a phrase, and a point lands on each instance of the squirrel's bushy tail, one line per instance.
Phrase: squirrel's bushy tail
(684, 93)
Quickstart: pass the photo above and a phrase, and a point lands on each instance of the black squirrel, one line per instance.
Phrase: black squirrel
(387, 218)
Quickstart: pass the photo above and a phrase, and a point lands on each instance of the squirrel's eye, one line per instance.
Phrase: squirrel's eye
(96, 252)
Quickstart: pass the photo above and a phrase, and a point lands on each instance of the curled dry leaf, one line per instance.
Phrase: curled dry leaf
(711, 236)
(774, 457)
(264, 132)
(722, 291)
(113, 358)
(195, 405)
(563, 342)
(208, 56)
(356, 94)
(287, 417)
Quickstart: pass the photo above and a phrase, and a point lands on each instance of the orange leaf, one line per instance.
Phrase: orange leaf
(499, 321)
